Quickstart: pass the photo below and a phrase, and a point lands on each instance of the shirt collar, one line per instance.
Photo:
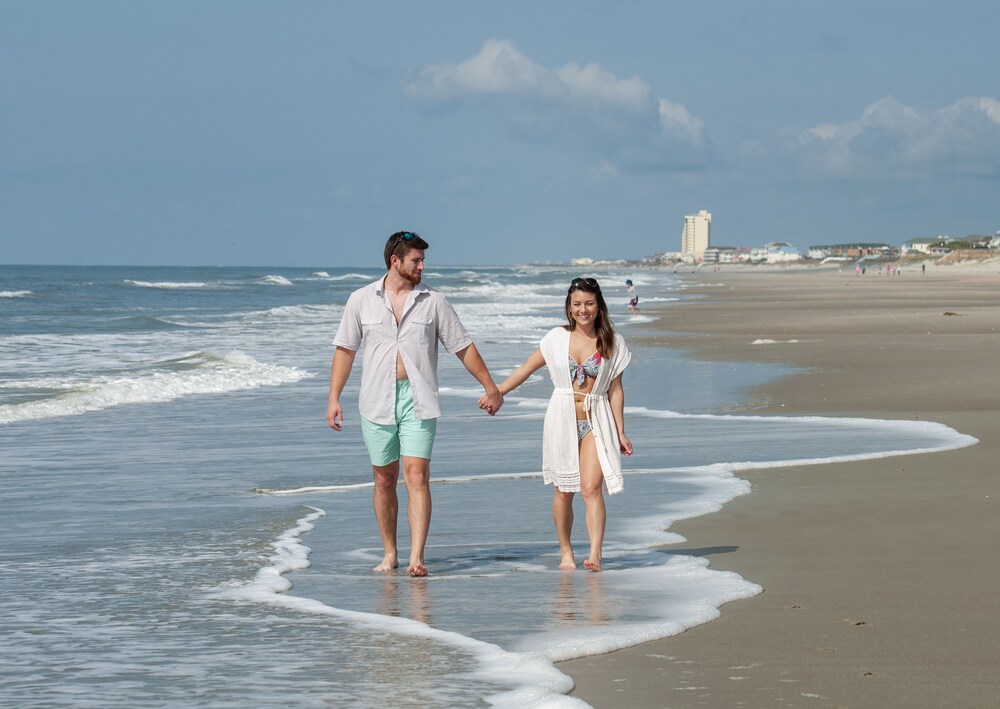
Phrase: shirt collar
(379, 287)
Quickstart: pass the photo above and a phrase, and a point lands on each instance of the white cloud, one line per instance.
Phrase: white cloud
(675, 119)
(589, 97)
(891, 138)
(595, 84)
(499, 69)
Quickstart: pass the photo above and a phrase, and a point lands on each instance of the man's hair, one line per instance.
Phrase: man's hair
(399, 243)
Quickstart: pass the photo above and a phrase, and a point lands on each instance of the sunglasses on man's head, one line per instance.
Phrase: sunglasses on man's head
(403, 236)
(589, 282)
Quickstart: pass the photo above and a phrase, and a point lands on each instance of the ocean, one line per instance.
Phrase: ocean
(181, 528)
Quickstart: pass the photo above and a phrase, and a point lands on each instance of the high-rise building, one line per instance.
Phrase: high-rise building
(696, 235)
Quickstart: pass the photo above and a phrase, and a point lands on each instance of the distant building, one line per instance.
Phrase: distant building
(922, 245)
(857, 250)
(725, 254)
(782, 253)
(776, 252)
(696, 235)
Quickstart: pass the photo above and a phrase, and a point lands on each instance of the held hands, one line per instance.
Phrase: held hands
(490, 402)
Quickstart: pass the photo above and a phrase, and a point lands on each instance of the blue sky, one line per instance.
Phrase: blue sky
(264, 133)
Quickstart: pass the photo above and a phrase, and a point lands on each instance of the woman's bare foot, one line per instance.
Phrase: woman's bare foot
(416, 569)
(568, 563)
(388, 564)
(592, 565)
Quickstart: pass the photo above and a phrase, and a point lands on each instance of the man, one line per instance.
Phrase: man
(633, 297)
(400, 322)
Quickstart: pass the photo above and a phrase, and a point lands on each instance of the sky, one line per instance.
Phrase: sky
(305, 133)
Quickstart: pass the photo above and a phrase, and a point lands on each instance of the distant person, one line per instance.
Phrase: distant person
(633, 297)
(584, 432)
(923, 268)
(400, 322)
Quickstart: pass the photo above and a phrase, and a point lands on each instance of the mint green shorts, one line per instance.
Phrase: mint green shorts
(409, 436)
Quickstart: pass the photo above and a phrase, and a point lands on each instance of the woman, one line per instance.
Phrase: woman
(584, 431)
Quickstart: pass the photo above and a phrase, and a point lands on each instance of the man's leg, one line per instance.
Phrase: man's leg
(386, 511)
(417, 475)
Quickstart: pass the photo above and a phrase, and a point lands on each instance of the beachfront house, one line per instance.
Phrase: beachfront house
(726, 254)
(775, 252)
(920, 245)
(852, 251)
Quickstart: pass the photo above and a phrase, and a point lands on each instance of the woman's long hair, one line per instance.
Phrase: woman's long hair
(602, 323)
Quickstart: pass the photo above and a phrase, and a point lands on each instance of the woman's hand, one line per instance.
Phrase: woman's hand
(624, 444)
(489, 404)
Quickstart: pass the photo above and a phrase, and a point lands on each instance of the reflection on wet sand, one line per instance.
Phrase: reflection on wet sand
(580, 598)
(404, 597)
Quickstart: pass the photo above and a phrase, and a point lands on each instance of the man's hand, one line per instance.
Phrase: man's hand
(491, 401)
(335, 415)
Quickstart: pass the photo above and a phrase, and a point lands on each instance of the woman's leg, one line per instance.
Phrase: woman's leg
(591, 489)
(562, 516)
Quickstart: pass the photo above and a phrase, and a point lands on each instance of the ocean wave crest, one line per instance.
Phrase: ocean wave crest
(193, 374)
(294, 313)
(165, 284)
(275, 280)
(14, 293)
(352, 277)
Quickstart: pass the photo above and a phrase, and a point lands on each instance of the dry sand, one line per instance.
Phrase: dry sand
(881, 577)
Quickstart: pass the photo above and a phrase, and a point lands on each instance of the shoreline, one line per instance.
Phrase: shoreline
(876, 590)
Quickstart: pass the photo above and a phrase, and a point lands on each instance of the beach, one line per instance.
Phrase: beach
(184, 528)
(879, 576)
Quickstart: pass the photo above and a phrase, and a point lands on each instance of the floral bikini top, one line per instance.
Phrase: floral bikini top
(579, 372)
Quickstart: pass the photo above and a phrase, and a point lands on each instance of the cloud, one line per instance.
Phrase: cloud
(675, 120)
(621, 114)
(893, 139)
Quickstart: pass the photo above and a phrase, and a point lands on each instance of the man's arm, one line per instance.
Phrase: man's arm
(340, 370)
(473, 361)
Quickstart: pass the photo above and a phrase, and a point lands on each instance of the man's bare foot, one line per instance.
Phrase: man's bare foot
(416, 570)
(568, 563)
(592, 565)
(388, 564)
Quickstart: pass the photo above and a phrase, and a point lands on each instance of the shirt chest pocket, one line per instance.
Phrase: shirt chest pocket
(424, 328)
(371, 328)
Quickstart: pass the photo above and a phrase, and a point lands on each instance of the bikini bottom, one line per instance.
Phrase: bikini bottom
(582, 429)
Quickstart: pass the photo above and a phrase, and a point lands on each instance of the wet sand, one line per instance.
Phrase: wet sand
(881, 577)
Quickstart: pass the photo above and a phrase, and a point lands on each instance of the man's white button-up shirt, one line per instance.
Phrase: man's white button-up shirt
(428, 318)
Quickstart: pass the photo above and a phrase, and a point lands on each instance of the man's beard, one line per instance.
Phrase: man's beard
(413, 276)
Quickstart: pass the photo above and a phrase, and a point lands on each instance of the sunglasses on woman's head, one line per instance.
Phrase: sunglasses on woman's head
(589, 282)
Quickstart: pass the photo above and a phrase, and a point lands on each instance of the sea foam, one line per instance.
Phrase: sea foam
(275, 280)
(533, 678)
(210, 374)
(166, 284)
